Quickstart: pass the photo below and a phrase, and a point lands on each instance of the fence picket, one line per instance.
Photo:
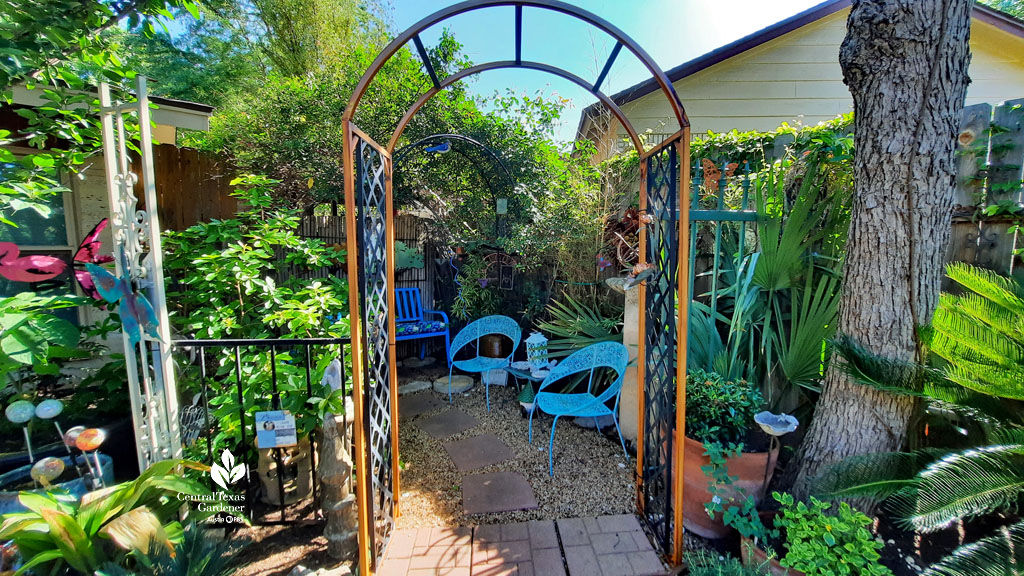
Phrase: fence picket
(972, 153)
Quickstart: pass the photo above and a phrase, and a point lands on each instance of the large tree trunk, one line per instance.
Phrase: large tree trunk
(905, 62)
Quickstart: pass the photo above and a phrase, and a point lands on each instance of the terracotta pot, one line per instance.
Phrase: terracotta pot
(750, 468)
(493, 346)
(751, 554)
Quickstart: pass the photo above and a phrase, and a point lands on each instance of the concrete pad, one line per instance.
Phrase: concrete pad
(496, 492)
(411, 406)
(447, 423)
(413, 387)
(415, 362)
(477, 452)
(460, 384)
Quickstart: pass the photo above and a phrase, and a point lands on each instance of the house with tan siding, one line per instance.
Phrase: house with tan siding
(789, 72)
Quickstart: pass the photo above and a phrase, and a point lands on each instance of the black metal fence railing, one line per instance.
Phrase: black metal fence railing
(235, 371)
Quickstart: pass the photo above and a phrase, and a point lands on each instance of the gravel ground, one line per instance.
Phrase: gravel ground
(592, 477)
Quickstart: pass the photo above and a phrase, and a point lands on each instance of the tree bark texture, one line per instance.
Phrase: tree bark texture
(905, 62)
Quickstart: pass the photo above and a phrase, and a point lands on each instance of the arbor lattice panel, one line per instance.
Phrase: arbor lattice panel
(660, 343)
(371, 200)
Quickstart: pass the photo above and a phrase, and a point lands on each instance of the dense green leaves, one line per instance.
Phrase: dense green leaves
(106, 525)
(247, 277)
(822, 543)
(719, 410)
(30, 335)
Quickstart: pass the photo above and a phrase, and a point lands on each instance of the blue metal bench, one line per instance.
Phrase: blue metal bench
(411, 323)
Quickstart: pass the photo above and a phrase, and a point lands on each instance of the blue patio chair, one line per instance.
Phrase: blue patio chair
(583, 405)
(472, 333)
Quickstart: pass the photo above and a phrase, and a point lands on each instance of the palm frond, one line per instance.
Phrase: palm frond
(786, 236)
(962, 485)
(981, 333)
(874, 476)
(906, 378)
(957, 334)
(996, 555)
(812, 322)
(704, 342)
(1000, 319)
(987, 379)
(575, 325)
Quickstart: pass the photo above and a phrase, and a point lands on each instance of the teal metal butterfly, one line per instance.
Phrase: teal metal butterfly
(137, 314)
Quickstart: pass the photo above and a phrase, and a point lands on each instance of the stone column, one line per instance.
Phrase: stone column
(629, 401)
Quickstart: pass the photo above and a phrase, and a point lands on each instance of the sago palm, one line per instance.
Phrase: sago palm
(978, 338)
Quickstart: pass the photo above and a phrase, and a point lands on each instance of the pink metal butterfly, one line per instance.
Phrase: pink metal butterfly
(137, 314)
(88, 253)
(602, 262)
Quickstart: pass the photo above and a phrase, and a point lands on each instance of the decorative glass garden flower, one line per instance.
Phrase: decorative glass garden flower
(776, 424)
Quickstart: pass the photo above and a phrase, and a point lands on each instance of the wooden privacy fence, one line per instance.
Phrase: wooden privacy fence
(990, 157)
(191, 187)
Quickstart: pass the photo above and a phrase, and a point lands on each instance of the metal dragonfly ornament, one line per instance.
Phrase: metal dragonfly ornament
(137, 314)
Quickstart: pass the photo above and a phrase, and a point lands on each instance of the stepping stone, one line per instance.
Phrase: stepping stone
(415, 362)
(496, 492)
(411, 406)
(460, 383)
(477, 452)
(602, 422)
(414, 386)
(447, 423)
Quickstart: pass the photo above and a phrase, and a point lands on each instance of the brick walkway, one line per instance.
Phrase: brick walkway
(607, 545)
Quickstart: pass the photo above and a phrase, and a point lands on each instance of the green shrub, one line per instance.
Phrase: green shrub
(719, 410)
(819, 543)
(243, 278)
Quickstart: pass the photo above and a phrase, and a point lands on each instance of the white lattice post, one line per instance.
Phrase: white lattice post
(138, 257)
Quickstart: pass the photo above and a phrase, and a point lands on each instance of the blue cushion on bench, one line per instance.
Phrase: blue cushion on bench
(426, 327)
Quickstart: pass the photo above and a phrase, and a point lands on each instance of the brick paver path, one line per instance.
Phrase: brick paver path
(602, 546)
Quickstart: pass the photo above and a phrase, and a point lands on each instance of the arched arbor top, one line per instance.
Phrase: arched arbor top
(622, 41)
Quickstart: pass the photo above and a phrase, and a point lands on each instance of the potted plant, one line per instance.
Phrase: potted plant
(719, 416)
(816, 543)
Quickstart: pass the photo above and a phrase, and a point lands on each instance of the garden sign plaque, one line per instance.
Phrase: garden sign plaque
(275, 429)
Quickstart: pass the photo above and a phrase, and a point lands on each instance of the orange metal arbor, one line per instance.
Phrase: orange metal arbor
(369, 215)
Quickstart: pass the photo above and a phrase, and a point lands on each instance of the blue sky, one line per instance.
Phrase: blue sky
(671, 31)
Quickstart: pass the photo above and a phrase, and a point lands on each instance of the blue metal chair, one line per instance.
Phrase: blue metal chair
(583, 405)
(472, 333)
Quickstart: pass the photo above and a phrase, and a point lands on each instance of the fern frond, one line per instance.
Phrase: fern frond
(875, 476)
(1007, 292)
(996, 555)
(1004, 321)
(959, 335)
(1001, 382)
(962, 485)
